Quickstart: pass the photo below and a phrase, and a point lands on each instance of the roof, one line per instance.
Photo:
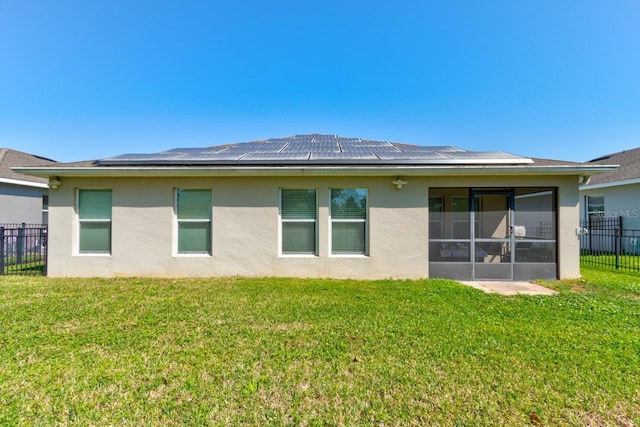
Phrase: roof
(315, 149)
(317, 155)
(628, 162)
(11, 158)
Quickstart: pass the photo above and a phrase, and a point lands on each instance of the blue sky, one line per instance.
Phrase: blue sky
(89, 79)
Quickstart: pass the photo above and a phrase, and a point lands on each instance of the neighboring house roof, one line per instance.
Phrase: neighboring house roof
(11, 158)
(628, 171)
(320, 155)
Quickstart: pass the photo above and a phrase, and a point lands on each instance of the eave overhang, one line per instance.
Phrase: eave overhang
(294, 170)
(23, 183)
(610, 184)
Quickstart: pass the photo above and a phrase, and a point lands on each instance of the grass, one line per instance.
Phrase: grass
(29, 264)
(33, 267)
(625, 261)
(317, 352)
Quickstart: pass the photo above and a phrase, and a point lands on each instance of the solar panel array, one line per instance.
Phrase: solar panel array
(314, 149)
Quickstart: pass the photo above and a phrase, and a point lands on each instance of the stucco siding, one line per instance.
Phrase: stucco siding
(245, 227)
(20, 204)
(623, 200)
(568, 222)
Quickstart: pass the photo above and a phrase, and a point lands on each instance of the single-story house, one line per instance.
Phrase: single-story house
(23, 198)
(616, 193)
(317, 206)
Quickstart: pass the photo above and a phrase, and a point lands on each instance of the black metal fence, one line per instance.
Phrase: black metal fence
(23, 249)
(605, 242)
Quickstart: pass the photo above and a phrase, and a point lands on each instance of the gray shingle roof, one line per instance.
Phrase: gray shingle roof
(629, 166)
(11, 158)
(315, 149)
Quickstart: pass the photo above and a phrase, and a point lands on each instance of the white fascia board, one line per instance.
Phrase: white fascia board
(229, 171)
(23, 183)
(610, 184)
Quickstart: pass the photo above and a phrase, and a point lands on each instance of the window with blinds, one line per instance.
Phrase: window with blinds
(348, 221)
(94, 218)
(193, 213)
(299, 218)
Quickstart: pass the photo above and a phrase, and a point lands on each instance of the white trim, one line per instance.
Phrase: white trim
(23, 183)
(349, 256)
(192, 255)
(538, 194)
(94, 254)
(346, 170)
(609, 184)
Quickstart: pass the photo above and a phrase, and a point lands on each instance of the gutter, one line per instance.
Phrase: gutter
(609, 184)
(23, 183)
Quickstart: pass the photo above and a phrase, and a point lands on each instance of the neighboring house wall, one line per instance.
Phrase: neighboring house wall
(620, 200)
(20, 204)
(21, 196)
(246, 233)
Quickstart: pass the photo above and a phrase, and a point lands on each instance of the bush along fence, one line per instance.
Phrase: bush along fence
(605, 242)
(23, 249)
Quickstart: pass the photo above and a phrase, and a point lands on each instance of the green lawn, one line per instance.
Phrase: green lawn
(317, 352)
(628, 262)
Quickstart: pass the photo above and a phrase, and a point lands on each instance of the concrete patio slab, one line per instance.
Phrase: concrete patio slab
(510, 288)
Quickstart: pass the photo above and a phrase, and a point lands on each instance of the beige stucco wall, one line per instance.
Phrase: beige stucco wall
(246, 227)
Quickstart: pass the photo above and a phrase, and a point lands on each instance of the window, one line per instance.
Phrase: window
(193, 212)
(595, 205)
(349, 221)
(94, 217)
(298, 213)
(45, 209)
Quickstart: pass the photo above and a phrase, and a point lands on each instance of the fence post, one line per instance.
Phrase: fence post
(618, 240)
(44, 231)
(590, 227)
(20, 244)
(1, 251)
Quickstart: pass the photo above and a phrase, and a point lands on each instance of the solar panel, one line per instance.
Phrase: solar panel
(210, 156)
(276, 156)
(315, 148)
(343, 156)
(482, 155)
(406, 156)
(304, 146)
(134, 157)
(195, 150)
(423, 148)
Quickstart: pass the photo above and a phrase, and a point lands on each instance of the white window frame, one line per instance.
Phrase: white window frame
(588, 205)
(78, 221)
(281, 221)
(45, 209)
(365, 221)
(176, 228)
